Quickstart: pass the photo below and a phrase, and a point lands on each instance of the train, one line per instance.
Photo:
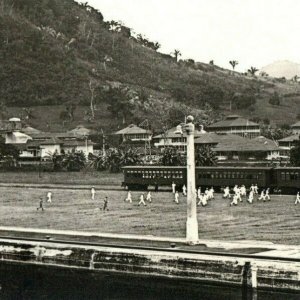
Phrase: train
(278, 179)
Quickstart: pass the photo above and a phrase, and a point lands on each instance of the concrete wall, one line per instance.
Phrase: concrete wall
(253, 272)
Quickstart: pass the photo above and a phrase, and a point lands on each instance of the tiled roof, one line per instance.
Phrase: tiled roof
(81, 130)
(236, 143)
(291, 138)
(133, 129)
(75, 143)
(171, 134)
(48, 135)
(296, 125)
(30, 130)
(52, 141)
(233, 122)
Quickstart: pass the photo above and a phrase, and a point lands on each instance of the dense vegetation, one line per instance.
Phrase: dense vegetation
(57, 52)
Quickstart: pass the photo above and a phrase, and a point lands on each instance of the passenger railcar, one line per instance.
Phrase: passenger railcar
(286, 179)
(140, 177)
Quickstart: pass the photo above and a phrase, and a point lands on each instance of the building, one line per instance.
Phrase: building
(134, 133)
(296, 128)
(171, 138)
(231, 147)
(35, 145)
(237, 125)
(287, 143)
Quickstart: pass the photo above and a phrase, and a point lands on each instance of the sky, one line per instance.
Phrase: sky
(253, 32)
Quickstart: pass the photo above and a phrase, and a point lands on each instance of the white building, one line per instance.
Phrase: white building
(296, 128)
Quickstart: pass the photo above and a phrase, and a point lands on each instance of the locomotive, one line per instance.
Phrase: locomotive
(279, 179)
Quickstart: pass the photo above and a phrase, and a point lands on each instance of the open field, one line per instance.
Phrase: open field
(277, 221)
(84, 178)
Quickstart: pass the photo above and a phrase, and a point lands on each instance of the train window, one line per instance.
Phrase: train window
(249, 176)
(229, 175)
(225, 175)
(217, 175)
(294, 176)
(212, 175)
(287, 176)
(233, 175)
(282, 176)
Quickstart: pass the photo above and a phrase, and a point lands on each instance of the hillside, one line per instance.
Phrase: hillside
(57, 56)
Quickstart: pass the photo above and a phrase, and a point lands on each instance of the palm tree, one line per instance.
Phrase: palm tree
(74, 161)
(252, 71)
(233, 63)
(176, 53)
(205, 157)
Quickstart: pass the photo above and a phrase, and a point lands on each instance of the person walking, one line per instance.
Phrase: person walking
(267, 195)
(297, 198)
(234, 200)
(176, 197)
(129, 197)
(93, 192)
(49, 197)
(226, 192)
(41, 204)
(256, 189)
(142, 201)
(173, 187)
(262, 196)
(184, 190)
(149, 197)
(105, 204)
(251, 196)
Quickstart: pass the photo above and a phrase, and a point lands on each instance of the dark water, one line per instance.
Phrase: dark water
(32, 282)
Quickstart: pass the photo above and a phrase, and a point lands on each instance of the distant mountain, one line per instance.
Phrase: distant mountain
(282, 68)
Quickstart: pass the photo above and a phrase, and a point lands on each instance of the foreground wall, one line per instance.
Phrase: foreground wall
(254, 272)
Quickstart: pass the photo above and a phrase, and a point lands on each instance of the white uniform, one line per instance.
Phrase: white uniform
(93, 192)
(235, 188)
(176, 197)
(148, 198)
(184, 190)
(267, 195)
(243, 191)
(238, 195)
(142, 201)
(211, 194)
(297, 198)
(226, 192)
(251, 196)
(199, 192)
(129, 198)
(49, 197)
(256, 189)
(252, 188)
(262, 196)
(173, 188)
(234, 200)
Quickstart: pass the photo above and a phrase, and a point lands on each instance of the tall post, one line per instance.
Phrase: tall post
(191, 223)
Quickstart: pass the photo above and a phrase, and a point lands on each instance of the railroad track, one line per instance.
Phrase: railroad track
(147, 248)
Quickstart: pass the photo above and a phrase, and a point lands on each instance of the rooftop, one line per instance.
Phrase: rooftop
(296, 125)
(291, 138)
(133, 129)
(233, 121)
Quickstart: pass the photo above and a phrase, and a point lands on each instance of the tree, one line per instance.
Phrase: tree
(171, 157)
(263, 74)
(92, 87)
(233, 63)
(119, 104)
(176, 54)
(252, 71)
(275, 99)
(74, 161)
(56, 160)
(8, 150)
(211, 62)
(115, 28)
(205, 157)
(295, 155)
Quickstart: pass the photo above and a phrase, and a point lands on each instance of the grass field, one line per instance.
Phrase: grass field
(85, 178)
(276, 221)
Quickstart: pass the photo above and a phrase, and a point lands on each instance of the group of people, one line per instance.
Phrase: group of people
(141, 199)
(49, 200)
(202, 197)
